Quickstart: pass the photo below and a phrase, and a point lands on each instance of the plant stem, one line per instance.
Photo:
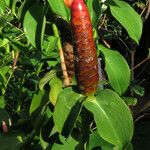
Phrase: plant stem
(61, 54)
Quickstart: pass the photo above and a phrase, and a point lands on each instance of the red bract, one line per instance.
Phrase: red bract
(68, 2)
(86, 66)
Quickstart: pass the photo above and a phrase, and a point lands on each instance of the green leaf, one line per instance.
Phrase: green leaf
(12, 141)
(96, 141)
(2, 6)
(112, 116)
(2, 102)
(34, 25)
(66, 110)
(36, 101)
(138, 90)
(129, 147)
(117, 69)
(128, 18)
(131, 101)
(13, 9)
(49, 44)
(43, 143)
(56, 87)
(47, 77)
(94, 8)
(68, 144)
(59, 8)
(38, 109)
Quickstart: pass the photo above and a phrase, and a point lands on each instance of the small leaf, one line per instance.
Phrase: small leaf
(49, 44)
(112, 116)
(48, 76)
(34, 25)
(56, 87)
(2, 102)
(138, 90)
(131, 21)
(13, 9)
(117, 69)
(59, 8)
(130, 101)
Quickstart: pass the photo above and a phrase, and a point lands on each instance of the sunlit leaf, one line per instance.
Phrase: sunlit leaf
(112, 116)
(117, 69)
(128, 18)
(34, 25)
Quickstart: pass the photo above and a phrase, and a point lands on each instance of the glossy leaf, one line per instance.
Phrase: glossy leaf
(59, 8)
(112, 116)
(128, 18)
(56, 87)
(66, 109)
(117, 69)
(34, 25)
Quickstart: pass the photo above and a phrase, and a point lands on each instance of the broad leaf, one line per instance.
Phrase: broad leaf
(66, 110)
(117, 69)
(59, 8)
(128, 18)
(34, 25)
(112, 116)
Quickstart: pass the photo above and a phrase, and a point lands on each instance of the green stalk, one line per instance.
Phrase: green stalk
(61, 54)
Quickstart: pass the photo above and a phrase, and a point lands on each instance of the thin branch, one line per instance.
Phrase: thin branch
(138, 65)
(62, 59)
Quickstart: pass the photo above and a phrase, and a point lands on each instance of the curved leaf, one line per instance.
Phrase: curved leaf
(112, 116)
(67, 109)
(128, 18)
(34, 25)
(59, 8)
(117, 69)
